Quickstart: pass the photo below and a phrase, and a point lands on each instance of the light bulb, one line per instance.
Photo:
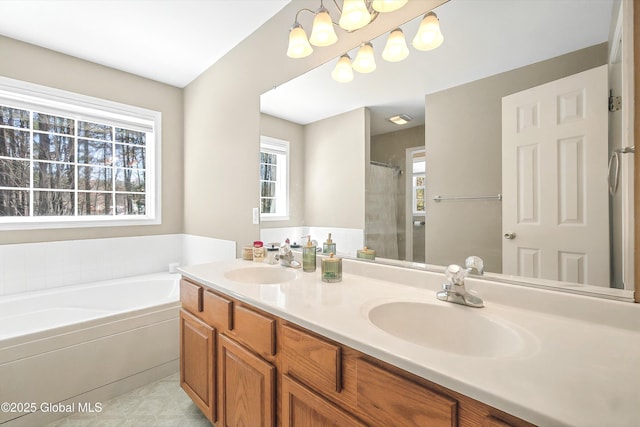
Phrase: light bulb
(354, 15)
(322, 33)
(343, 72)
(365, 61)
(299, 46)
(385, 6)
(429, 35)
(396, 48)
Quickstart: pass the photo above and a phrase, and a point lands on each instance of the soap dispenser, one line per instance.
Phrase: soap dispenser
(309, 256)
(331, 269)
(329, 247)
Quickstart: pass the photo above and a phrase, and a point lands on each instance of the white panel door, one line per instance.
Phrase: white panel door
(555, 209)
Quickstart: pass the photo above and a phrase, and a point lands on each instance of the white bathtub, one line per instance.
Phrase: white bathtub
(85, 343)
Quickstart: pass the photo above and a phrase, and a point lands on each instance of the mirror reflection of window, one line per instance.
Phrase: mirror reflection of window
(419, 187)
(274, 181)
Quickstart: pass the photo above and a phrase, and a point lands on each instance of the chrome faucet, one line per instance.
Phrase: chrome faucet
(285, 256)
(474, 265)
(454, 290)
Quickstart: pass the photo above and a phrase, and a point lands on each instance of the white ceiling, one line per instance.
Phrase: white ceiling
(171, 41)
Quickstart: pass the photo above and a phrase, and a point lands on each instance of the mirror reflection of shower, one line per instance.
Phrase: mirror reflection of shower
(381, 209)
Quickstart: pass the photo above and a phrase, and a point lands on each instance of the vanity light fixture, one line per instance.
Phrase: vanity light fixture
(400, 119)
(299, 46)
(343, 72)
(365, 62)
(429, 36)
(386, 6)
(322, 33)
(356, 14)
(396, 48)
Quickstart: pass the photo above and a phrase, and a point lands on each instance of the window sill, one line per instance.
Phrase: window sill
(274, 218)
(128, 221)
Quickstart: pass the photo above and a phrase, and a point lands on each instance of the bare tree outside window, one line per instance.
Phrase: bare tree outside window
(57, 166)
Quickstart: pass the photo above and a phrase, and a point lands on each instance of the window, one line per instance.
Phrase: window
(418, 183)
(274, 179)
(72, 160)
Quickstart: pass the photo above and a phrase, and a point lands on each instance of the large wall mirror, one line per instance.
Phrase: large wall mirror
(476, 171)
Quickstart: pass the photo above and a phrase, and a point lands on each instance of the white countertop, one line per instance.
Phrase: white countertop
(567, 370)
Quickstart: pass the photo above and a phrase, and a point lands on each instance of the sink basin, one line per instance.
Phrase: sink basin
(450, 328)
(260, 275)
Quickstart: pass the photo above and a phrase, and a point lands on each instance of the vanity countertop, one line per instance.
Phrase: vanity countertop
(576, 364)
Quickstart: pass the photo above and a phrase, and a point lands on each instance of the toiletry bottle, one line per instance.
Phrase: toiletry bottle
(329, 247)
(366, 253)
(247, 253)
(258, 251)
(309, 256)
(331, 269)
(272, 254)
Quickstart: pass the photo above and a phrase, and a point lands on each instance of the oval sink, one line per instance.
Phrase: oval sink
(260, 275)
(451, 328)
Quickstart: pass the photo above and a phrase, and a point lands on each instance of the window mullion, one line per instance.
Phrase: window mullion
(31, 191)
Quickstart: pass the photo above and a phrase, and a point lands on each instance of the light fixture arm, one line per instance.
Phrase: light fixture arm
(298, 13)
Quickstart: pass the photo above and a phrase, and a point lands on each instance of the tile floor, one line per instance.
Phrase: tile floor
(161, 403)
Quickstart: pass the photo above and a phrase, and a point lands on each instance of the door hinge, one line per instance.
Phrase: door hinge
(615, 102)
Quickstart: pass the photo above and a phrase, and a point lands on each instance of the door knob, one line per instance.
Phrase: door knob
(510, 236)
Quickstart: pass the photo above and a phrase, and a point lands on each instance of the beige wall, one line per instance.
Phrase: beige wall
(294, 133)
(335, 159)
(37, 65)
(466, 160)
(222, 119)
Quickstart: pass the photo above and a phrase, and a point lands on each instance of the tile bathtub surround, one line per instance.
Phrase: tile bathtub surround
(31, 267)
(161, 403)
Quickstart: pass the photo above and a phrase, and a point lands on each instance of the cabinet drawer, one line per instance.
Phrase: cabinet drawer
(491, 421)
(255, 330)
(393, 400)
(191, 296)
(217, 311)
(312, 360)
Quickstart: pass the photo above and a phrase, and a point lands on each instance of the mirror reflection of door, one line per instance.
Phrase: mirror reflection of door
(555, 211)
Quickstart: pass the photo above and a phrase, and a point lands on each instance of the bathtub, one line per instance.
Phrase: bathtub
(84, 344)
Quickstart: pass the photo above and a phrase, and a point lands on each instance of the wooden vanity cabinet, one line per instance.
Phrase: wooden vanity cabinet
(197, 363)
(265, 371)
(301, 407)
(247, 387)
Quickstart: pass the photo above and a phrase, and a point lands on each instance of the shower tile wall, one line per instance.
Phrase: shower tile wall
(35, 266)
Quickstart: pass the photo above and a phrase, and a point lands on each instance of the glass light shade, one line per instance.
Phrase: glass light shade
(365, 61)
(384, 6)
(322, 33)
(299, 46)
(396, 48)
(354, 15)
(429, 35)
(343, 72)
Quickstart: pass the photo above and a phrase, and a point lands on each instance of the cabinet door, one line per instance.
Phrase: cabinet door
(303, 408)
(197, 363)
(247, 387)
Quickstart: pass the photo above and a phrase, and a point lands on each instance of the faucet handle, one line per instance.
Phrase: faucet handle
(455, 274)
(474, 263)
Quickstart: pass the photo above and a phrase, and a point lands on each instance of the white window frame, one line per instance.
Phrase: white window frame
(281, 149)
(19, 94)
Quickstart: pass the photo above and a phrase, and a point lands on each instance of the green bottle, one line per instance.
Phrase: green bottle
(309, 256)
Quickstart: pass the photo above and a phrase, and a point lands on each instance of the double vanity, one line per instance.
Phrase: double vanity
(267, 345)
